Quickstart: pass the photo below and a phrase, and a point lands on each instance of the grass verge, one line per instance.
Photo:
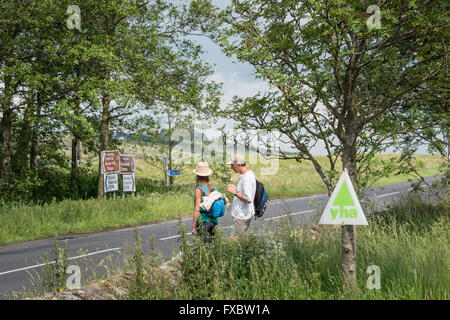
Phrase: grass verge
(409, 243)
(27, 222)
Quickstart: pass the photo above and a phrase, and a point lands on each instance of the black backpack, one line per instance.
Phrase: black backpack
(260, 200)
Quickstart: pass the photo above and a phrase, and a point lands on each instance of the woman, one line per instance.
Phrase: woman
(202, 188)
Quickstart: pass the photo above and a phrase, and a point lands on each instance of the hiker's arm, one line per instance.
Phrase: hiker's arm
(198, 199)
(242, 197)
(232, 189)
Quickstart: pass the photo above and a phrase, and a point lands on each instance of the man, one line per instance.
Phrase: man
(242, 208)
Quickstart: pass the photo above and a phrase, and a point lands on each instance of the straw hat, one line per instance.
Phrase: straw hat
(202, 169)
(237, 159)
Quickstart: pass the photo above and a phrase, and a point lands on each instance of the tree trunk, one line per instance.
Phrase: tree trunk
(104, 136)
(6, 129)
(448, 149)
(34, 131)
(21, 163)
(5, 168)
(75, 165)
(349, 231)
(350, 123)
(79, 152)
(75, 154)
(348, 258)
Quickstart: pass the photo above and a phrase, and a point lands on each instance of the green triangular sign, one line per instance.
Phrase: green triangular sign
(343, 206)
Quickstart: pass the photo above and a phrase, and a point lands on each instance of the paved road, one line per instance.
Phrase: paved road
(20, 262)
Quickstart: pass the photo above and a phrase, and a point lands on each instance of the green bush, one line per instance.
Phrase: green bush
(51, 184)
(56, 185)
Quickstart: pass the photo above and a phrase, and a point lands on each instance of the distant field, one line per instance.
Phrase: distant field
(293, 179)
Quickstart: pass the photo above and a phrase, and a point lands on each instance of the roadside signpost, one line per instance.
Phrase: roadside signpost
(110, 169)
(166, 169)
(174, 172)
(127, 171)
(127, 164)
(344, 209)
(168, 172)
(128, 183)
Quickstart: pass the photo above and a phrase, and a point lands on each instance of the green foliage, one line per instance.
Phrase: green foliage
(49, 184)
(144, 278)
(138, 288)
(53, 276)
(333, 80)
(55, 185)
(126, 57)
(221, 174)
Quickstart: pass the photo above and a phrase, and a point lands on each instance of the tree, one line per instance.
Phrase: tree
(83, 82)
(135, 43)
(176, 105)
(427, 119)
(335, 79)
(12, 73)
(46, 63)
(27, 83)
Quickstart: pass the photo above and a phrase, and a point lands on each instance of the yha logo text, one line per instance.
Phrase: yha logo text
(343, 213)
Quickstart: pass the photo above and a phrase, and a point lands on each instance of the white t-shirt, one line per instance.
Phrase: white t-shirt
(247, 187)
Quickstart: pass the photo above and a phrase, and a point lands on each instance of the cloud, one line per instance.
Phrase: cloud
(236, 85)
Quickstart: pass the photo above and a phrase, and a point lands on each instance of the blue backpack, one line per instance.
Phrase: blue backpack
(218, 208)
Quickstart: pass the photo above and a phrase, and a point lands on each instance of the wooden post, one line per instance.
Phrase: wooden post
(343, 208)
(166, 171)
(348, 258)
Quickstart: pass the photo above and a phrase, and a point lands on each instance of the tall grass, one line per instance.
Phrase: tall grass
(409, 242)
(26, 222)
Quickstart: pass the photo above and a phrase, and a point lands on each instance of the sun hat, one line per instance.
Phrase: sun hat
(202, 169)
(237, 159)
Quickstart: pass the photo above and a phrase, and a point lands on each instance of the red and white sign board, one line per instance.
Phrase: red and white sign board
(127, 163)
(110, 161)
